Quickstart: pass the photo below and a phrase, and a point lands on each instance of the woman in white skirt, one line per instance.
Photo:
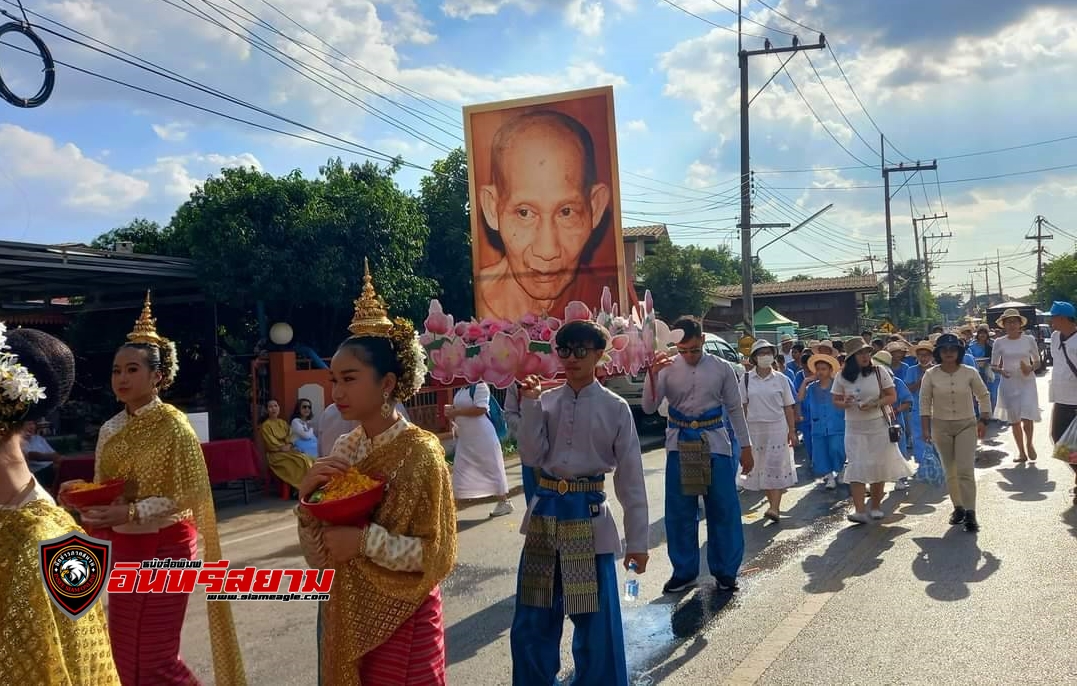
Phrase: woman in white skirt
(478, 469)
(1015, 358)
(768, 407)
(863, 390)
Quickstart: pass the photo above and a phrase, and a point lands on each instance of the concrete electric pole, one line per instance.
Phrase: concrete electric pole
(887, 171)
(746, 225)
(1039, 237)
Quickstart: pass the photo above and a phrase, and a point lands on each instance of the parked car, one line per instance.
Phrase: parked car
(630, 387)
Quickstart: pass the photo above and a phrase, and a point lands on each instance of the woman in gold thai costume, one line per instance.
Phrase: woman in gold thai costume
(287, 462)
(39, 643)
(383, 624)
(167, 503)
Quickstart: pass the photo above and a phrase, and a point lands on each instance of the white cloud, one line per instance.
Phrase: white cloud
(69, 177)
(636, 126)
(700, 175)
(584, 16)
(175, 177)
(466, 9)
(173, 131)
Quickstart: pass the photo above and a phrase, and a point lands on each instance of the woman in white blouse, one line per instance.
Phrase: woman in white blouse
(948, 419)
(1014, 358)
(768, 407)
(863, 390)
(478, 464)
(303, 436)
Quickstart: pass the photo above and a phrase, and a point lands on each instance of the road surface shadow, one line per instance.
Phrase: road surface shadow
(985, 459)
(467, 637)
(1069, 517)
(1026, 482)
(829, 571)
(949, 564)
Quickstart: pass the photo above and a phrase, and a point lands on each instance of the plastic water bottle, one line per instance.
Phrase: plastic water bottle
(631, 584)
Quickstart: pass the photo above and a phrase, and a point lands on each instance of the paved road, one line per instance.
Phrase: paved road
(907, 601)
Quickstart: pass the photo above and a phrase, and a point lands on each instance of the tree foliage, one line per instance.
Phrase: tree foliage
(681, 286)
(443, 197)
(951, 305)
(1059, 280)
(147, 237)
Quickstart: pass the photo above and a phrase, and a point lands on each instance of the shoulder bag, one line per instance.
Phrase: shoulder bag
(893, 428)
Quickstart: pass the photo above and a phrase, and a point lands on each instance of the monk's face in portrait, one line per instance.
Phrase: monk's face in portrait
(543, 207)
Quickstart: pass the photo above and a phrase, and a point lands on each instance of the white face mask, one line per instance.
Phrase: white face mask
(764, 360)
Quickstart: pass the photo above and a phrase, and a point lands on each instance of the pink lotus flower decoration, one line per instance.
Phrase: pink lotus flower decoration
(500, 352)
(447, 362)
(437, 322)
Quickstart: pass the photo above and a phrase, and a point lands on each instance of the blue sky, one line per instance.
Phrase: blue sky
(939, 79)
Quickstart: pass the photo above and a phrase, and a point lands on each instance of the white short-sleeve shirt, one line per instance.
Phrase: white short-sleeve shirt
(767, 397)
(864, 390)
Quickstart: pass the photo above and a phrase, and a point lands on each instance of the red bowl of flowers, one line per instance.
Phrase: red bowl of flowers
(346, 500)
(83, 494)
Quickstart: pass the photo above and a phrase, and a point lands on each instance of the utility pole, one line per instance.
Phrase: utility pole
(987, 282)
(871, 259)
(916, 241)
(887, 171)
(1039, 237)
(928, 254)
(746, 226)
(998, 273)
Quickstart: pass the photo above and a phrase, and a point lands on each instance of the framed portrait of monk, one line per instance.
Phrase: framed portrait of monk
(545, 204)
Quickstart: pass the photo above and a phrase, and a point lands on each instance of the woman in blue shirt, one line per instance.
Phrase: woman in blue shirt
(827, 428)
(980, 349)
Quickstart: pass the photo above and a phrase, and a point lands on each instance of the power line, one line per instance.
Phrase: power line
(708, 21)
(414, 94)
(836, 105)
(949, 181)
(303, 70)
(785, 16)
(817, 117)
(861, 102)
(321, 56)
(750, 20)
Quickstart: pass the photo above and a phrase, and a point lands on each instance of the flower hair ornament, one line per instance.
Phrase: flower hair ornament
(19, 390)
(371, 320)
(145, 333)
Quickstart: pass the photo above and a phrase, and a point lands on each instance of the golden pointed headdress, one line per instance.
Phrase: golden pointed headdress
(371, 317)
(145, 330)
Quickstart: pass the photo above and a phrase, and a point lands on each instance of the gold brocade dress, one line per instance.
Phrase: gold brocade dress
(369, 602)
(157, 453)
(39, 644)
(290, 466)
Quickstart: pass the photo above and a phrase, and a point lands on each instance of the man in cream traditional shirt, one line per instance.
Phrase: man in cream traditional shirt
(704, 397)
(576, 434)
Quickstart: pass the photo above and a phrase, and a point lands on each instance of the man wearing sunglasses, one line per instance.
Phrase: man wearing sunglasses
(704, 399)
(576, 434)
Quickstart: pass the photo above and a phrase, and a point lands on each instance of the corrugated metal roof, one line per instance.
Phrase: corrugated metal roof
(841, 283)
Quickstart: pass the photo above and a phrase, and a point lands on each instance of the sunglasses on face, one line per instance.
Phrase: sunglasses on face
(578, 352)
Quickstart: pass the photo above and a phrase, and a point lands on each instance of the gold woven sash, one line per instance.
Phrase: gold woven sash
(571, 541)
(695, 459)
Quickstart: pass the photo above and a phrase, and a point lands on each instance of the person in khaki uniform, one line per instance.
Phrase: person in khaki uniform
(949, 421)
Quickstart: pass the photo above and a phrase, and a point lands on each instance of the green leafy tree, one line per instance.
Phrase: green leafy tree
(951, 305)
(681, 286)
(858, 270)
(447, 261)
(295, 246)
(1059, 280)
(148, 237)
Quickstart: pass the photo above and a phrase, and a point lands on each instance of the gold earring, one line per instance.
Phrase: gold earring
(386, 408)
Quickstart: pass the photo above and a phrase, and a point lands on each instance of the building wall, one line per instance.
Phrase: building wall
(838, 311)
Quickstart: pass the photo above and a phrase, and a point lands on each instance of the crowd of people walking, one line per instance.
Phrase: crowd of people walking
(866, 411)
